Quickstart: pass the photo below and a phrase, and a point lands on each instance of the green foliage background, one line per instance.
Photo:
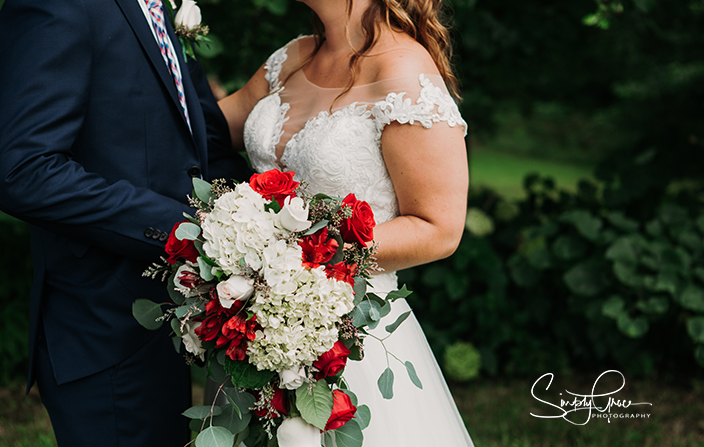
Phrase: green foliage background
(609, 276)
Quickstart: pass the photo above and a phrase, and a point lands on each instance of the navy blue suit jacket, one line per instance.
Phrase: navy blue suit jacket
(95, 151)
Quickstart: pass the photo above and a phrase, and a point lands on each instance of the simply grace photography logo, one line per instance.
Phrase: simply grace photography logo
(584, 407)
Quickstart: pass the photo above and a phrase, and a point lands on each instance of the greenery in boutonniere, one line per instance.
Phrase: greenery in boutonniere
(188, 26)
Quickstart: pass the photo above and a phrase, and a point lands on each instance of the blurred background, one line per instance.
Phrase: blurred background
(584, 240)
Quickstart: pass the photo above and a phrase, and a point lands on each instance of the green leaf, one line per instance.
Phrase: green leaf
(613, 307)
(567, 247)
(361, 314)
(619, 220)
(241, 400)
(318, 226)
(695, 328)
(585, 279)
(699, 355)
(654, 228)
(176, 296)
(349, 435)
(401, 318)
(206, 271)
(624, 249)
(374, 313)
(187, 231)
(667, 281)
(626, 274)
(654, 305)
(176, 327)
(586, 224)
(403, 292)
(202, 411)
(246, 375)
(201, 189)
(315, 404)
(692, 298)
(386, 383)
(215, 437)
(232, 419)
(633, 327)
(413, 375)
(146, 312)
(360, 289)
(363, 416)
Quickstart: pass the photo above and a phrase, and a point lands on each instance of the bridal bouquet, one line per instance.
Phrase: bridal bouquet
(269, 292)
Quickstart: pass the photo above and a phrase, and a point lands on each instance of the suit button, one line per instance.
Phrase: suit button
(194, 171)
(156, 235)
(163, 237)
(149, 232)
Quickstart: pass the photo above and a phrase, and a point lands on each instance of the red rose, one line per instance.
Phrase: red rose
(332, 362)
(359, 227)
(278, 402)
(177, 248)
(342, 272)
(274, 184)
(317, 248)
(342, 410)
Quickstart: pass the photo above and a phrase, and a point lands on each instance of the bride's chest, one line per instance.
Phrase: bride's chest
(348, 138)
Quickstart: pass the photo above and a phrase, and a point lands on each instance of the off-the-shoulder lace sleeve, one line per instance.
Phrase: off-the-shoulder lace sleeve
(432, 104)
(275, 62)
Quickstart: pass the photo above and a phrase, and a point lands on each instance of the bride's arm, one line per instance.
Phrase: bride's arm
(238, 105)
(429, 170)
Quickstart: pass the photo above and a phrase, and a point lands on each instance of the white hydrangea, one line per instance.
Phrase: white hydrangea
(239, 228)
(298, 317)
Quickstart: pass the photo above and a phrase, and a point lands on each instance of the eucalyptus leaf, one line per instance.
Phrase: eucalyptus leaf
(206, 271)
(401, 318)
(386, 383)
(374, 313)
(232, 418)
(360, 289)
(146, 312)
(318, 226)
(202, 411)
(315, 403)
(202, 189)
(349, 435)
(187, 231)
(176, 296)
(413, 375)
(176, 327)
(403, 292)
(363, 416)
(215, 437)
(241, 400)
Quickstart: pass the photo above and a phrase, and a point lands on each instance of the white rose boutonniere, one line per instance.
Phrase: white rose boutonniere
(188, 26)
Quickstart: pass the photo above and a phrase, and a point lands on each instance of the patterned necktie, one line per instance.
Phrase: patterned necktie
(167, 52)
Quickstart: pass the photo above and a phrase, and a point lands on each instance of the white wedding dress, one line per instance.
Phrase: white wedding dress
(336, 152)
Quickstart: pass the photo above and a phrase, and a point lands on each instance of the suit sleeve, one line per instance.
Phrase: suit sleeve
(44, 86)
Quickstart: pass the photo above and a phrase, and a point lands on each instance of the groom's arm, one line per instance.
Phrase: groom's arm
(44, 88)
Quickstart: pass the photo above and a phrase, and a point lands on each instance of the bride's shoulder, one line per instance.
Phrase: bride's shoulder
(399, 55)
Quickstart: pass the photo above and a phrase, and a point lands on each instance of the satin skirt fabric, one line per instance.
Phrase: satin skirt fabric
(413, 417)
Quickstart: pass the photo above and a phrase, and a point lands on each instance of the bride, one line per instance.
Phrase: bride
(362, 106)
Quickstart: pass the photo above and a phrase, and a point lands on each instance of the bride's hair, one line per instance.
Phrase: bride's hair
(420, 19)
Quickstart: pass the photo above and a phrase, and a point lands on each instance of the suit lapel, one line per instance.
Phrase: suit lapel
(138, 22)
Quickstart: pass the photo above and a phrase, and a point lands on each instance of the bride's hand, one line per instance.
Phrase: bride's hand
(429, 170)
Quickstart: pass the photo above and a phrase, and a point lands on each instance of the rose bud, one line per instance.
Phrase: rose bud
(360, 227)
(236, 288)
(342, 410)
(332, 362)
(188, 15)
(177, 248)
(292, 379)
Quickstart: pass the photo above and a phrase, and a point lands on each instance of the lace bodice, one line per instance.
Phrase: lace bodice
(337, 150)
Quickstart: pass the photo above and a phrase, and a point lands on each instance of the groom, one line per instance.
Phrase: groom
(102, 126)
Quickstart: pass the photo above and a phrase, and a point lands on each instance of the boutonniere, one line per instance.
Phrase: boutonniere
(188, 26)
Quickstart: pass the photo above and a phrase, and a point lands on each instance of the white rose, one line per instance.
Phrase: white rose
(188, 15)
(294, 215)
(295, 432)
(293, 378)
(234, 289)
(191, 340)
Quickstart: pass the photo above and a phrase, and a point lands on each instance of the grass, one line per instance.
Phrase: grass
(504, 171)
(496, 411)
